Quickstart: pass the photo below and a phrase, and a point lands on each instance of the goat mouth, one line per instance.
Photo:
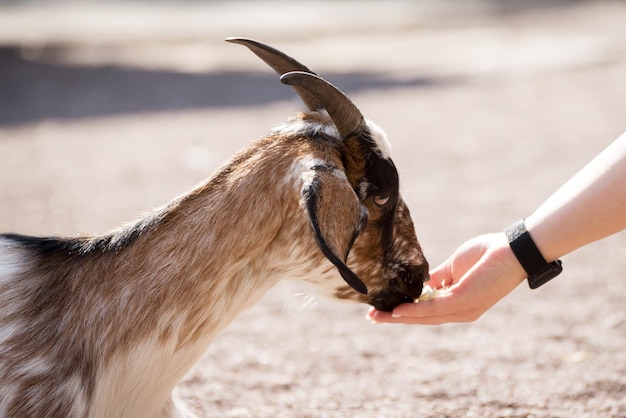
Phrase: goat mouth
(398, 292)
(388, 303)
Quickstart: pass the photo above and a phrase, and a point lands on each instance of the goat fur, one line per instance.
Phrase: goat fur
(105, 326)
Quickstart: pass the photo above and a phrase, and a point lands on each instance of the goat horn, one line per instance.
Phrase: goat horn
(281, 63)
(346, 116)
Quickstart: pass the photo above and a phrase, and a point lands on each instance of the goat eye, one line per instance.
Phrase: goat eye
(381, 200)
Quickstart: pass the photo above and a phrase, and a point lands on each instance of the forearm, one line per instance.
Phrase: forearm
(590, 206)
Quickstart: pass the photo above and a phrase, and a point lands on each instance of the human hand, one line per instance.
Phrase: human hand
(479, 273)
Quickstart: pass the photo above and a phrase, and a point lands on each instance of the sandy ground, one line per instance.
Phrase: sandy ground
(489, 108)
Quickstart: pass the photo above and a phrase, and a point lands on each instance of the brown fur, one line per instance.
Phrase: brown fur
(184, 272)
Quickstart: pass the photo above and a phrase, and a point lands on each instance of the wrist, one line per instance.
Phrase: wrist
(538, 270)
(542, 236)
(509, 261)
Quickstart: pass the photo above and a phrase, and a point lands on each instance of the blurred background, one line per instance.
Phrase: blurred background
(108, 109)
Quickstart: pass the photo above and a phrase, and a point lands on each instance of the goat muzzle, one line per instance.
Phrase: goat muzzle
(404, 288)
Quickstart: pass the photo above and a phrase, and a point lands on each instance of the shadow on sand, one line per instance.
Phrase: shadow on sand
(31, 91)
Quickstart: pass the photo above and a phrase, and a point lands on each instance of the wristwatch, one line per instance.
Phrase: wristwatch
(538, 269)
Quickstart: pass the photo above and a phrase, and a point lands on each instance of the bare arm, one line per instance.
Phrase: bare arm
(589, 207)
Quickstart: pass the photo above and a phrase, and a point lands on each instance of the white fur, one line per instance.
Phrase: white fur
(139, 382)
(307, 127)
(12, 261)
(380, 137)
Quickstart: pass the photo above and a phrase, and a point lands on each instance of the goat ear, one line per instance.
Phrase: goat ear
(336, 217)
(345, 115)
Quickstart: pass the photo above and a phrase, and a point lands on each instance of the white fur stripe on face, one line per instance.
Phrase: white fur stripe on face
(380, 138)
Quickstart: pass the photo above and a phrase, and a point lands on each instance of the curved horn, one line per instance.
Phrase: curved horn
(346, 116)
(281, 63)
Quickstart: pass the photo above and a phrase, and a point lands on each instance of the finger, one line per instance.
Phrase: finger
(434, 312)
(438, 306)
(440, 277)
(379, 317)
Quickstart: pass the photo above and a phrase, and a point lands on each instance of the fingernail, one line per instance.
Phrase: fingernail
(395, 315)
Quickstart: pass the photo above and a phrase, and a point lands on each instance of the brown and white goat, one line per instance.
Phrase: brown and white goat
(105, 326)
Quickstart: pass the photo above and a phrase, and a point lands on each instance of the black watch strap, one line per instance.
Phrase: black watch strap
(538, 269)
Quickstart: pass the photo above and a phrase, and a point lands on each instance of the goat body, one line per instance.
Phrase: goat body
(105, 326)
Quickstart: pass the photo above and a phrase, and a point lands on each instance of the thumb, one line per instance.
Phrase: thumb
(440, 276)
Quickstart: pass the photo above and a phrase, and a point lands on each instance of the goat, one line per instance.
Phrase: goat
(106, 326)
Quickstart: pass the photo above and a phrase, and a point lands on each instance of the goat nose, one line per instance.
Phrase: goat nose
(423, 273)
(415, 276)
